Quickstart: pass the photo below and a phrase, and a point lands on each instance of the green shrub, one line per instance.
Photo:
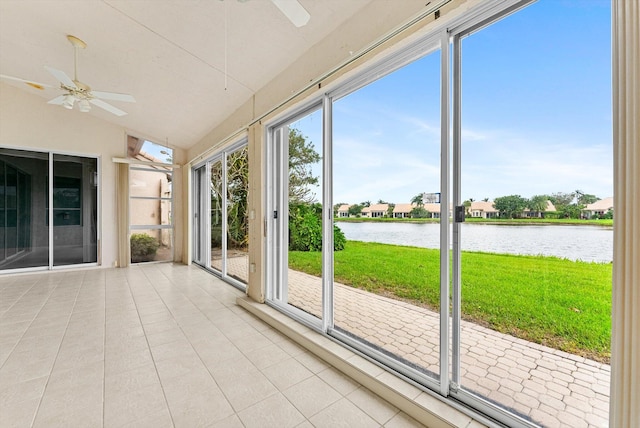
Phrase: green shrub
(143, 247)
(305, 229)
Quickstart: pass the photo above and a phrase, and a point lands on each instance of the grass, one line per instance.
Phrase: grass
(498, 221)
(559, 303)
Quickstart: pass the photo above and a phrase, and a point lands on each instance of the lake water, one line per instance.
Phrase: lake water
(587, 243)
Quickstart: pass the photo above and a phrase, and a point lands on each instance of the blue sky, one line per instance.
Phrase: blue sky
(536, 113)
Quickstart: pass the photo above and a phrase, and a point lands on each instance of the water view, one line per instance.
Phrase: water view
(586, 243)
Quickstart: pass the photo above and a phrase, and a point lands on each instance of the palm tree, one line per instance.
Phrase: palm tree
(538, 204)
(418, 200)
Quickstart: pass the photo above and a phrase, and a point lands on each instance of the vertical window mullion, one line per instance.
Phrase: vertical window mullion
(224, 213)
(456, 271)
(50, 212)
(327, 218)
(445, 77)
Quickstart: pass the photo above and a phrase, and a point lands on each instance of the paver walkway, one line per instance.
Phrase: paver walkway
(549, 387)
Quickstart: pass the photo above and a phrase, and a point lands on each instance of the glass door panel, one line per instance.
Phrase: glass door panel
(237, 250)
(24, 234)
(75, 207)
(532, 301)
(298, 214)
(199, 216)
(386, 164)
(216, 213)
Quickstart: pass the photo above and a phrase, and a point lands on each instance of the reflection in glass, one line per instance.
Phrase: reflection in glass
(75, 207)
(24, 235)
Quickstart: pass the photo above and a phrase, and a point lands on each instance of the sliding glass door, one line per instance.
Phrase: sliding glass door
(47, 222)
(220, 217)
(417, 212)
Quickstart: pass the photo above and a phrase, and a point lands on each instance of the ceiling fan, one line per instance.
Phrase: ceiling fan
(75, 90)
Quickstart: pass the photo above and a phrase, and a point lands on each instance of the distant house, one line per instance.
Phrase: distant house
(598, 208)
(343, 211)
(375, 211)
(482, 209)
(402, 210)
(539, 214)
(433, 209)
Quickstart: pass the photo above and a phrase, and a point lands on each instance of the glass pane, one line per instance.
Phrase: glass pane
(536, 275)
(148, 151)
(75, 207)
(217, 200)
(199, 220)
(386, 148)
(24, 238)
(150, 183)
(3, 224)
(151, 245)
(237, 216)
(304, 279)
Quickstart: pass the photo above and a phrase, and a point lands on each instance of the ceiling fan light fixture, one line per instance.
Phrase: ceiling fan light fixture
(84, 106)
(68, 102)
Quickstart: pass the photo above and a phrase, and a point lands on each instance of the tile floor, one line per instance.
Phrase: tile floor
(160, 346)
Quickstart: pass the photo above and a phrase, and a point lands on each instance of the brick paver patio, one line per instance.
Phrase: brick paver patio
(549, 387)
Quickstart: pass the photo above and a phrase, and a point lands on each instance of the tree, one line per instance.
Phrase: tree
(390, 210)
(418, 200)
(586, 199)
(302, 156)
(561, 199)
(538, 204)
(355, 210)
(485, 200)
(467, 206)
(510, 206)
(366, 203)
(419, 212)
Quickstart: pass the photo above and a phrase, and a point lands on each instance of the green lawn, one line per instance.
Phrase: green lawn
(559, 303)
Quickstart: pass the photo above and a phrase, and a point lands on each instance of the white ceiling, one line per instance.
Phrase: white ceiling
(168, 54)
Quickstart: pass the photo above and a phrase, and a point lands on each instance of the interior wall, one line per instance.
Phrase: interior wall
(28, 122)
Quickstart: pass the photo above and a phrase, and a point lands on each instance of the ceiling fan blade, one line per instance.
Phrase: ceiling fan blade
(61, 76)
(31, 83)
(113, 96)
(57, 100)
(293, 10)
(108, 107)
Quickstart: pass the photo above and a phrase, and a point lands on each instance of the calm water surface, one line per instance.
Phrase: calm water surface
(587, 243)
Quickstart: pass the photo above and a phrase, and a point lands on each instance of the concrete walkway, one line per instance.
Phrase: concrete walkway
(549, 387)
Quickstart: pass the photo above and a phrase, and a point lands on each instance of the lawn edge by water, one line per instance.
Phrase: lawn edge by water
(555, 302)
(498, 222)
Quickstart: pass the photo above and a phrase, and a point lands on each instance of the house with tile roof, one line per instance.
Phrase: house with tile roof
(598, 208)
(375, 211)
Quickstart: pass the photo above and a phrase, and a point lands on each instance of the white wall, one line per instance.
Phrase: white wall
(28, 122)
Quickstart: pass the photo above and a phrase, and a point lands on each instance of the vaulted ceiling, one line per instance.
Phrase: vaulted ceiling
(189, 64)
